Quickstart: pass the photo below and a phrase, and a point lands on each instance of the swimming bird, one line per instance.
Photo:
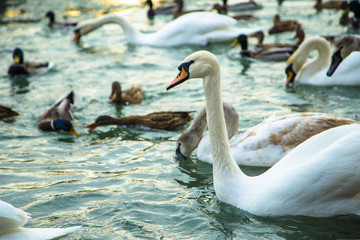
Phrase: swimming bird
(314, 72)
(220, 10)
(52, 23)
(241, 6)
(59, 116)
(333, 4)
(209, 28)
(283, 26)
(19, 67)
(169, 121)
(179, 10)
(167, 9)
(343, 47)
(272, 54)
(13, 219)
(262, 145)
(7, 114)
(319, 178)
(133, 95)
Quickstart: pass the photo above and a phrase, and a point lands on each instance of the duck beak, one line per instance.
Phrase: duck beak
(181, 77)
(74, 132)
(234, 43)
(76, 37)
(112, 96)
(17, 59)
(91, 126)
(336, 59)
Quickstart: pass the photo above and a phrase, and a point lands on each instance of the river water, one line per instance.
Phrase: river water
(125, 183)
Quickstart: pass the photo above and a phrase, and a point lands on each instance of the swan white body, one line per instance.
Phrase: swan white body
(13, 219)
(198, 28)
(320, 177)
(266, 143)
(314, 72)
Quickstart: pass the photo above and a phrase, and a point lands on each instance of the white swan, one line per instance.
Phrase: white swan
(262, 145)
(13, 219)
(344, 46)
(320, 177)
(198, 28)
(314, 72)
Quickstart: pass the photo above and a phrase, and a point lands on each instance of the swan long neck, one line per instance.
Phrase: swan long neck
(323, 58)
(223, 162)
(129, 30)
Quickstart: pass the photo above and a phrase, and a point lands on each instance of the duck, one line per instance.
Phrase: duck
(333, 4)
(52, 23)
(12, 221)
(272, 54)
(179, 10)
(220, 10)
(210, 28)
(343, 47)
(133, 95)
(7, 114)
(283, 26)
(161, 10)
(168, 121)
(241, 6)
(300, 36)
(314, 72)
(59, 116)
(282, 190)
(262, 145)
(21, 68)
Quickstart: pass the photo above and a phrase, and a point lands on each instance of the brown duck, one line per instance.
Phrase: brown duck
(179, 10)
(300, 36)
(7, 114)
(333, 4)
(59, 116)
(133, 95)
(283, 26)
(220, 10)
(169, 121)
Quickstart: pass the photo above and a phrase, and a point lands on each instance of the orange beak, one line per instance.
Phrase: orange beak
(91, 126)
(181, 77)
(76, 37)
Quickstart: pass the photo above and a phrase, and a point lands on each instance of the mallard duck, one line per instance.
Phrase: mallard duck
(7, 114)
(262, 145)
(283, 26)
(133, 95)
(343, 47)
(300, 36)
(220, 10)
(333, 4)
(169, 121)
(314, 72)
(241, 6)
(52, 23)
(179, 10)
(209, 28)
(318, 178)
(168, 9)
(59, 116)
(19, 67)
(13, 219)
(272, 54)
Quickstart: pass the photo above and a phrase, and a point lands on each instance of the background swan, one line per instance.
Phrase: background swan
(13, 219)
(318, 178)
(314, 72)
(205, 28)
(264, 144)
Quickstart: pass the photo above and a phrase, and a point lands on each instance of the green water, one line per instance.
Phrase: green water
(125, 183)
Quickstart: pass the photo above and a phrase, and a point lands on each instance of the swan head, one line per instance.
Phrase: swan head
(343, 48)
(290, 75)
(199, 64)
(188, 142)
(85, 27)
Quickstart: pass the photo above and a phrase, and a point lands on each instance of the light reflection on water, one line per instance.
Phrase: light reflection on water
(125, 182)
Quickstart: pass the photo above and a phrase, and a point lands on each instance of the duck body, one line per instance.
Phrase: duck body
(300, 36)
(317, 178)
(333, 4)
(13, 219)
(209, 28)
(169, 121)
(133, 95)
(7, 113)
(266, 143)
(283, 26)
(242, 6)
(21, 68)
(59, 116)
(314, 72)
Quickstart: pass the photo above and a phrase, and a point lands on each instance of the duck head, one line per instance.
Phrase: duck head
(242, 40)
(18, 56)
(151, 12)
(99, 121)
(51, 15)
(65, 125)
(115, 95)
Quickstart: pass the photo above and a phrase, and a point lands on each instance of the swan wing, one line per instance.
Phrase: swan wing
(38, 233)
(11, 217)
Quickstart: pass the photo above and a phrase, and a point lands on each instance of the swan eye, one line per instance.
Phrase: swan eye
(185, 65)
